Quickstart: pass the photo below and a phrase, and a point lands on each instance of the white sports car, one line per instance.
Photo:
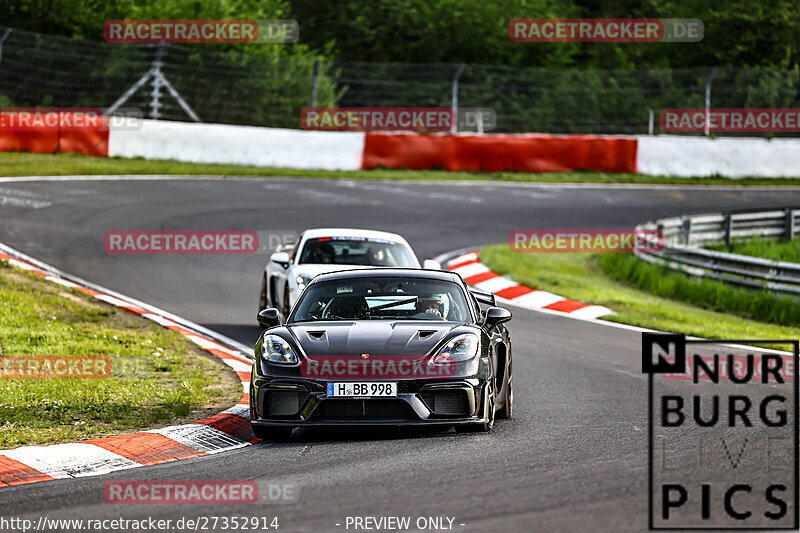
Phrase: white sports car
(323, 250)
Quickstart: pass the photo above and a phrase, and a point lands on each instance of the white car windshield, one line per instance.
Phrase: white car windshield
(356, 251)
(382, 298)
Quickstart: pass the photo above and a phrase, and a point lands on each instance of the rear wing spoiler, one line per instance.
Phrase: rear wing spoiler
(484, 297)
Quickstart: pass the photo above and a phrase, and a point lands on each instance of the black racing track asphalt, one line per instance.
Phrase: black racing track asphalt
(574, 457)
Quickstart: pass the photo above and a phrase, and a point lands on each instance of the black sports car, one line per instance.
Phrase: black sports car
(383, 347)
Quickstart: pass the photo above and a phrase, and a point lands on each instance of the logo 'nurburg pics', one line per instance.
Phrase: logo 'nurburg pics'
(663, 353)
(723, 433)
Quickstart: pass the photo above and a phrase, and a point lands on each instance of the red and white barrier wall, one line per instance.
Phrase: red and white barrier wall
(240, 145)
(673, 155)
(73, 134)
(495, 153)
(667, 155)
(246, 145)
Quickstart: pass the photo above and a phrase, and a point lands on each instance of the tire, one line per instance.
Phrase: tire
(508, 408)
(273, 433)
(483, 427)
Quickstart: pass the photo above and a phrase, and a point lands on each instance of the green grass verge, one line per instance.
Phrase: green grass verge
(23, 164)
(708, 294)
(624, 284)
(775, 249)
(158, 377)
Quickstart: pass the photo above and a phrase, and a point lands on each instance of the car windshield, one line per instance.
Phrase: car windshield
(382, 298)
(357, 251)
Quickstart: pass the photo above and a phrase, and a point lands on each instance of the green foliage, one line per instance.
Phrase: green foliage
(405, 53)
(245, 83)
(704, 293)
(738, 33)
(424, 31)
(84, 19)
(775, 249)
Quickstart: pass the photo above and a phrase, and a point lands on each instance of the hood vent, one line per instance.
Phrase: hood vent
(316, 335)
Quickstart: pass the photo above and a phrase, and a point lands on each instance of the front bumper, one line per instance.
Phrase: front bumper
(305, 402)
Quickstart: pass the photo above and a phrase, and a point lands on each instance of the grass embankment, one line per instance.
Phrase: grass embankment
(652, 297)
(775, 249)
(23, 164)
(158, 377)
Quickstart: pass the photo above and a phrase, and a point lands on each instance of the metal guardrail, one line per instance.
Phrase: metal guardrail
(683, 238)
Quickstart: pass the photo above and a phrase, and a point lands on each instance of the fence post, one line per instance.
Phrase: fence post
(789, 217)
(650, 123)
(314, 76)
(454, 97)
(728, 229)
(155, 101)
(2, 40)
(687, 230)
(660, 234)
(708, 98)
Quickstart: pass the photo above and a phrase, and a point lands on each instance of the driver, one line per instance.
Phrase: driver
(432, 304)
(324, 253)
(378, 256)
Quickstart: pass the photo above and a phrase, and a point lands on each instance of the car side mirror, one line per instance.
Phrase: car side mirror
(281, 258)
(430, 264)
(495, 316)
(269, 318)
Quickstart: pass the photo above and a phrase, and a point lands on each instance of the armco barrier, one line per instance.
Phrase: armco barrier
(495, 153)
(88, 140)
(683, 238)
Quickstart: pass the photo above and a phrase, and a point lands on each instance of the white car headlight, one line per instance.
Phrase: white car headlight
(461, 348)
(275, 349)
(303, 280)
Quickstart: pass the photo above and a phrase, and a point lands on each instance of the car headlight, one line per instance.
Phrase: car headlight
(461, 348)
(275, 349)
(303, 280)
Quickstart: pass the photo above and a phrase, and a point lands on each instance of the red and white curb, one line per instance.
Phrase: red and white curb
(224, 431)
(478, 275)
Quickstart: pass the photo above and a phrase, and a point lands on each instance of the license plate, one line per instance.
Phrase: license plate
(366, 389)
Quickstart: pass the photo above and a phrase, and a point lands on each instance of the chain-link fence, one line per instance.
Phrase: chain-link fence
(178, 82)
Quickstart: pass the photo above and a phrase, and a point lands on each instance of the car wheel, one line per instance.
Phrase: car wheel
(483, 427)
(262, 300)
(508, 408)
(492, 400)
(274, 433)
